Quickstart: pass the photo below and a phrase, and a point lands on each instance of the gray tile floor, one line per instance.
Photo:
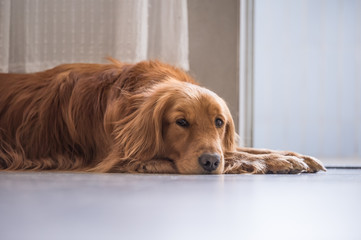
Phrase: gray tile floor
(122, 206)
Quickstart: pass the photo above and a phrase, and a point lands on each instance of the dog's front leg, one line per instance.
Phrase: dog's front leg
(154, 166)
(115, 165)
(314, 165)
(268, 161)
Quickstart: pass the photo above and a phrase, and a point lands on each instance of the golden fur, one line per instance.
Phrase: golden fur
(146, 117)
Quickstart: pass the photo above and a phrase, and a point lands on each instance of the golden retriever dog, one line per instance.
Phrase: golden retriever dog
(148, 117)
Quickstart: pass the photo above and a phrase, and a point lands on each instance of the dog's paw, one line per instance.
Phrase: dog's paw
(314, 165)
(141, 167)
(270, 162)
(290, 162)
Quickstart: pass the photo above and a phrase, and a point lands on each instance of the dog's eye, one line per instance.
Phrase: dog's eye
(182, 122)
(219, 122)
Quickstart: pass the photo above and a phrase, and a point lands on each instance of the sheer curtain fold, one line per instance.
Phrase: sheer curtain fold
(4, 34)
(39, 34)
(166, 18)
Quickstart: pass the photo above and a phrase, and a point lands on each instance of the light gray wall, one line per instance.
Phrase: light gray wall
(213, 47)
(307, 72)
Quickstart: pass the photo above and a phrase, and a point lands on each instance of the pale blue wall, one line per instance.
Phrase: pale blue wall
(308, 76)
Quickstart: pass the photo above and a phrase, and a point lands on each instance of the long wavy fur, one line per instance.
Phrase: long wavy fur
(74, 116)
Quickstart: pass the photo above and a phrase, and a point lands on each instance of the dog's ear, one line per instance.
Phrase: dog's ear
(138, 135)
(229, 140)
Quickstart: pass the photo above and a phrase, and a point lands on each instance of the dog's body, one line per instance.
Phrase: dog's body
(146, 117)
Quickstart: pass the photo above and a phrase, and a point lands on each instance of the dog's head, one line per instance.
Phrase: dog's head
(179, 121)
(197, 127)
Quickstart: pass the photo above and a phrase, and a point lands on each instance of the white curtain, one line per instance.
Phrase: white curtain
(39, 34)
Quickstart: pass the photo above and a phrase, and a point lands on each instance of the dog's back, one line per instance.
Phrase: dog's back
(52, 114)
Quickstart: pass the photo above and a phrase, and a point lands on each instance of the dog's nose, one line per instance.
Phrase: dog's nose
(209, 161)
